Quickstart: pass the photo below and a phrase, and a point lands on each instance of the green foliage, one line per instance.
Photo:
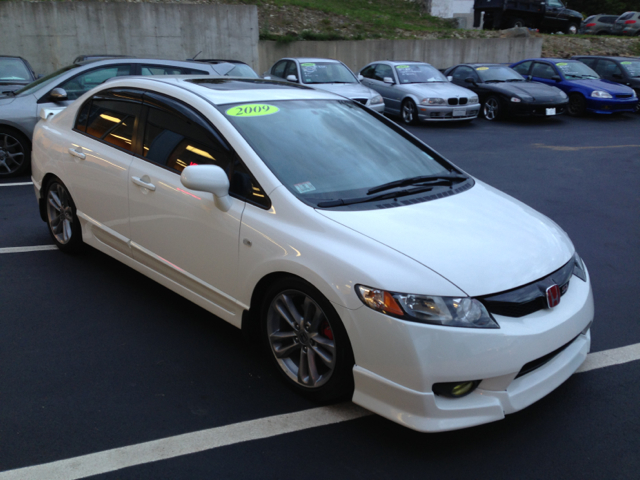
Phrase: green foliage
(612, 7)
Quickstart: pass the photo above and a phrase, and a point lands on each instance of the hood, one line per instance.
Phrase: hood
(6, 100)
(349, 90)
(436, 89)
(482, 240)
(600, 84)
(539, 91)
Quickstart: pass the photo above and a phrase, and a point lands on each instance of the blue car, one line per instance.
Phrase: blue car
(586, 90)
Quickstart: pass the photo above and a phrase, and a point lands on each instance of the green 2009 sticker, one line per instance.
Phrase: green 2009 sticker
(252, 110)
(625, 63)
(562, 64)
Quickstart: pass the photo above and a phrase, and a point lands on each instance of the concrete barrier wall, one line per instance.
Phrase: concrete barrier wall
(439, 53)
(51, 35)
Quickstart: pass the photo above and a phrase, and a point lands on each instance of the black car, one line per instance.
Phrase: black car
(624, 70)
(15, 73)
(503, 91)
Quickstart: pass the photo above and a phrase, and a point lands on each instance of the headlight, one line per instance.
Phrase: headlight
(432, 101)
(473, 99)
(563, 95)
(634, 94)
(600, 94)
(376, 100)
(579, 269)
(448, 311)
(515, 99)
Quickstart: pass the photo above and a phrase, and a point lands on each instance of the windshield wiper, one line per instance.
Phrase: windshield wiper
(422, 180)
(515, 80)
(351, 201)
(494, 81)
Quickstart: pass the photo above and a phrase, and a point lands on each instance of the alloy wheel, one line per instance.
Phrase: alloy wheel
(408, 112)
(60, 213)
(12, 154)
(301, 338)
(491, 109)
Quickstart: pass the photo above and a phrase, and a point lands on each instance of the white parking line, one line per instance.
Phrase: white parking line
(15, 184)
(37, 248)
(119, 458)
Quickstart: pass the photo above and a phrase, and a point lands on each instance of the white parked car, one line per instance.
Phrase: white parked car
(370, 266)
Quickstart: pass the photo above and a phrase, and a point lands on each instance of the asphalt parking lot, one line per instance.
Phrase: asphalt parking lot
(97, 362)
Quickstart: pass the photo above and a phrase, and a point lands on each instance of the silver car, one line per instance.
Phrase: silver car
(419, 92)
(20, 110)
(325, 74)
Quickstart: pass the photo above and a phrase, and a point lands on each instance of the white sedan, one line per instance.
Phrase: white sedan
(369, 266)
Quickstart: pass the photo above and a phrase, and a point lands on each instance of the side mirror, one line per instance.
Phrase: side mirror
(360, 77)
(389, 80)
(469, 80)
(292, 78)
(450, 78)
(617, 76)
(58, 95)
(556, 78)
(208, 178)
(528, 78)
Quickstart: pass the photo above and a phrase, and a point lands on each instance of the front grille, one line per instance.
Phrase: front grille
(453, 101)
(361, 100)
(538, 362)
(463, 101)
(624, 96)
(528, 298)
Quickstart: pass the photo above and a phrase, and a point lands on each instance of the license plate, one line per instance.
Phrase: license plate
(551, 111)
(459, 113)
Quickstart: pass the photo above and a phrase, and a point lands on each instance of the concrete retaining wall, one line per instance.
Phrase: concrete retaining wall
(439, 53)
(51, 35)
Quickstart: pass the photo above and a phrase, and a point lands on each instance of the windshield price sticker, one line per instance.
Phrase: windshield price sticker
(482, 68)
(308, 64)
(402, 66)
(304, 187)
(626, 63)
(562, 64)
(252, 110)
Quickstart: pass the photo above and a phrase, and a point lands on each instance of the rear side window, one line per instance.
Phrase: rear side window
(168, 70)
(112, 121)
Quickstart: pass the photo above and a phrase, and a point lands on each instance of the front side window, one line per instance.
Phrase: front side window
(112, 121)
(460, 74)
(383, 71)
(607, 68)
(278, 69)
(543, 70)
(368, 71)
(80, 84)
(523, 68)
(418, 73)
(330, 150)
(44, 81)
(326, 72)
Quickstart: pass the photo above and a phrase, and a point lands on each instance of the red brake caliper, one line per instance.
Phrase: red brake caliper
(326, 330)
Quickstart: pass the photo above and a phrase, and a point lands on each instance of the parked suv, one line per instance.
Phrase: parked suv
(598, 24)
(627, 24)
(20, 110)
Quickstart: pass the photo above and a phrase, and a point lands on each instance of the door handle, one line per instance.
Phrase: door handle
(142, 183)
(75, 153)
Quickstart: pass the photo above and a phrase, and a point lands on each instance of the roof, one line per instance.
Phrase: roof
(312, 60)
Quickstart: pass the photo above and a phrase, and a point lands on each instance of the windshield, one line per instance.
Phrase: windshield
(576, 70)
(328, 150)
(419, 73)
(14, 70)
(40, 83)
(499, 73)
(326, 72)
(632, 67)
(241, 70)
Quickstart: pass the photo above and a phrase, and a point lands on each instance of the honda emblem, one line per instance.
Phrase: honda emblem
(553, 296)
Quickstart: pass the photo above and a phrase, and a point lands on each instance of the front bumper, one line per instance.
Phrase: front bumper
(537, 110)
(398, 362)
(611, 105)
(448, 113)
(377, 108)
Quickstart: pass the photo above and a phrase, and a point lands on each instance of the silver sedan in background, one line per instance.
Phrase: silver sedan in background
(325, 74)
(419, 92)
(21, 110)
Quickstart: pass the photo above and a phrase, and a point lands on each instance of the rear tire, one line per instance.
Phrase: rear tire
(306, 340)
(61, 217)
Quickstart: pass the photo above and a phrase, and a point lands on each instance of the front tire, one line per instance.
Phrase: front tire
(15, 153)
(577, 105)
(516, 23)
(61, 217)
(492, 109)
(572, 28)
(306, 340)
(409, 112)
